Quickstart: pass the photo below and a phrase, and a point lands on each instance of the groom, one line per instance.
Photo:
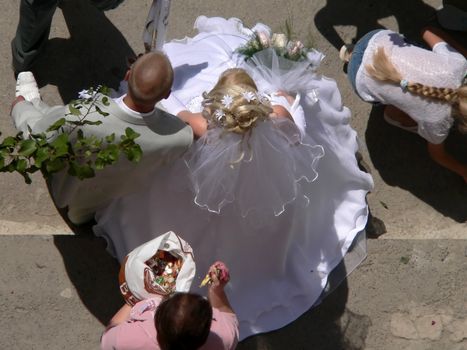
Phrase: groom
(163, 138)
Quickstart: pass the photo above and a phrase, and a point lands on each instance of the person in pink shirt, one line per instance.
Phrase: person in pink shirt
(183, 321)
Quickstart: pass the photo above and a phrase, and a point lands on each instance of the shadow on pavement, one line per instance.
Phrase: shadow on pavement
(365, 15)
(94, 54)
(327, 326)
(402, 160)
(93, 272)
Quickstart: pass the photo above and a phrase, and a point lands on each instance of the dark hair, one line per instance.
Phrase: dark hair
(183, 322)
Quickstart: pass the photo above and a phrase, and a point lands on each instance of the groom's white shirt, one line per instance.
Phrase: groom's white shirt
(163, 139)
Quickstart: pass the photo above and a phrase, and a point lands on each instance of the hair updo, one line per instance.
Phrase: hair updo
(245, 107)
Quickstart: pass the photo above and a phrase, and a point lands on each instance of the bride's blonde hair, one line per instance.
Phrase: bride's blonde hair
(234, 104)
(382, 69)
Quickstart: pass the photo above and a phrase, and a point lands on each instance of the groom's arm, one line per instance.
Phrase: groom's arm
(24, 114)
(36, 115)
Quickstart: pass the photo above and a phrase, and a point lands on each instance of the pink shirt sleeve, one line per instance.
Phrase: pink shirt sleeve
(129, 336)
(224, 332)
(138, 332)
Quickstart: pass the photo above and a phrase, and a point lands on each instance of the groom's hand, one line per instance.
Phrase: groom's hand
(15, 101)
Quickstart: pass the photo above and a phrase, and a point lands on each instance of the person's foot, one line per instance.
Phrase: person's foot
(26, 86)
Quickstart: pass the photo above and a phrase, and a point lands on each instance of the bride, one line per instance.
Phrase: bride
(271, 186)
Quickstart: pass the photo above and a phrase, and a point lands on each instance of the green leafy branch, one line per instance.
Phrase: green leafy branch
(65, 146)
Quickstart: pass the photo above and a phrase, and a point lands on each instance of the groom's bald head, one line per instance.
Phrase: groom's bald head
(150, 79)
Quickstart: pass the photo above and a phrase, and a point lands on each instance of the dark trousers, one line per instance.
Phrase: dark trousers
(35, 18)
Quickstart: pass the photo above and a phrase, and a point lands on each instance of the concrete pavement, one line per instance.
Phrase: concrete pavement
(58, 291)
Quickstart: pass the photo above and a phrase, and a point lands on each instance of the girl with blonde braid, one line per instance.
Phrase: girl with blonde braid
(423, 90)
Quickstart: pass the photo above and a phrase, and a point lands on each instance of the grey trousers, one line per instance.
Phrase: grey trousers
(35, 18)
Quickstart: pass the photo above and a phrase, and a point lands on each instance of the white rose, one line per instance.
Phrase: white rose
(279, 40)
(263, 38)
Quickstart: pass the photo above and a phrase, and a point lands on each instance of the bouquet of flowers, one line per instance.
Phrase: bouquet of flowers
(281, 43)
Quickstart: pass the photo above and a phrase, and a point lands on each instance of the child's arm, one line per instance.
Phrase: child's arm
(196, 120)
(439, 155)
(433, 35)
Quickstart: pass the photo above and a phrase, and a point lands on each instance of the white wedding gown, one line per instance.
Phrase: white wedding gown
(279, 261)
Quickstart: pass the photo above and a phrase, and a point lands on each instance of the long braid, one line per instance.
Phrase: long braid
(382, 69)
(436, 93)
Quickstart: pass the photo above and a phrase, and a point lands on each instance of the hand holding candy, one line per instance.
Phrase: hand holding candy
(218, 275)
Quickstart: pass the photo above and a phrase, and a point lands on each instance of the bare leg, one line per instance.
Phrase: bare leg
(439, 155)
(433, 35)
(396, 114)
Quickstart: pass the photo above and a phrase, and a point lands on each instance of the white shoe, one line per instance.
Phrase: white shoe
(345, 53)
(26, 86)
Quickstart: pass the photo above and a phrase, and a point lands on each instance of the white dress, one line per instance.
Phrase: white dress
(279, 252)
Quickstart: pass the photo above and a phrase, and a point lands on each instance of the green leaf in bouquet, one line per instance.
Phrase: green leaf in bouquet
(86, 172)
(42, 155)
(90, 122)
(60, 145)
(42, 143)
(288, 29)
(57, 125)
(27, 178)
(38, 137)
(81, 171)
(9, 141)
(75, 122)
(11, 167)
(55, 165)
(74, 110)
(80, 134)
(27, 147)
(110, 138)
(104, 90)
(2, 162)
(99, 164)
(110, 154)
(134, 153)
(87, 141)
(21, 165)
(95, 143)
(131, 134)
(101, 112)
